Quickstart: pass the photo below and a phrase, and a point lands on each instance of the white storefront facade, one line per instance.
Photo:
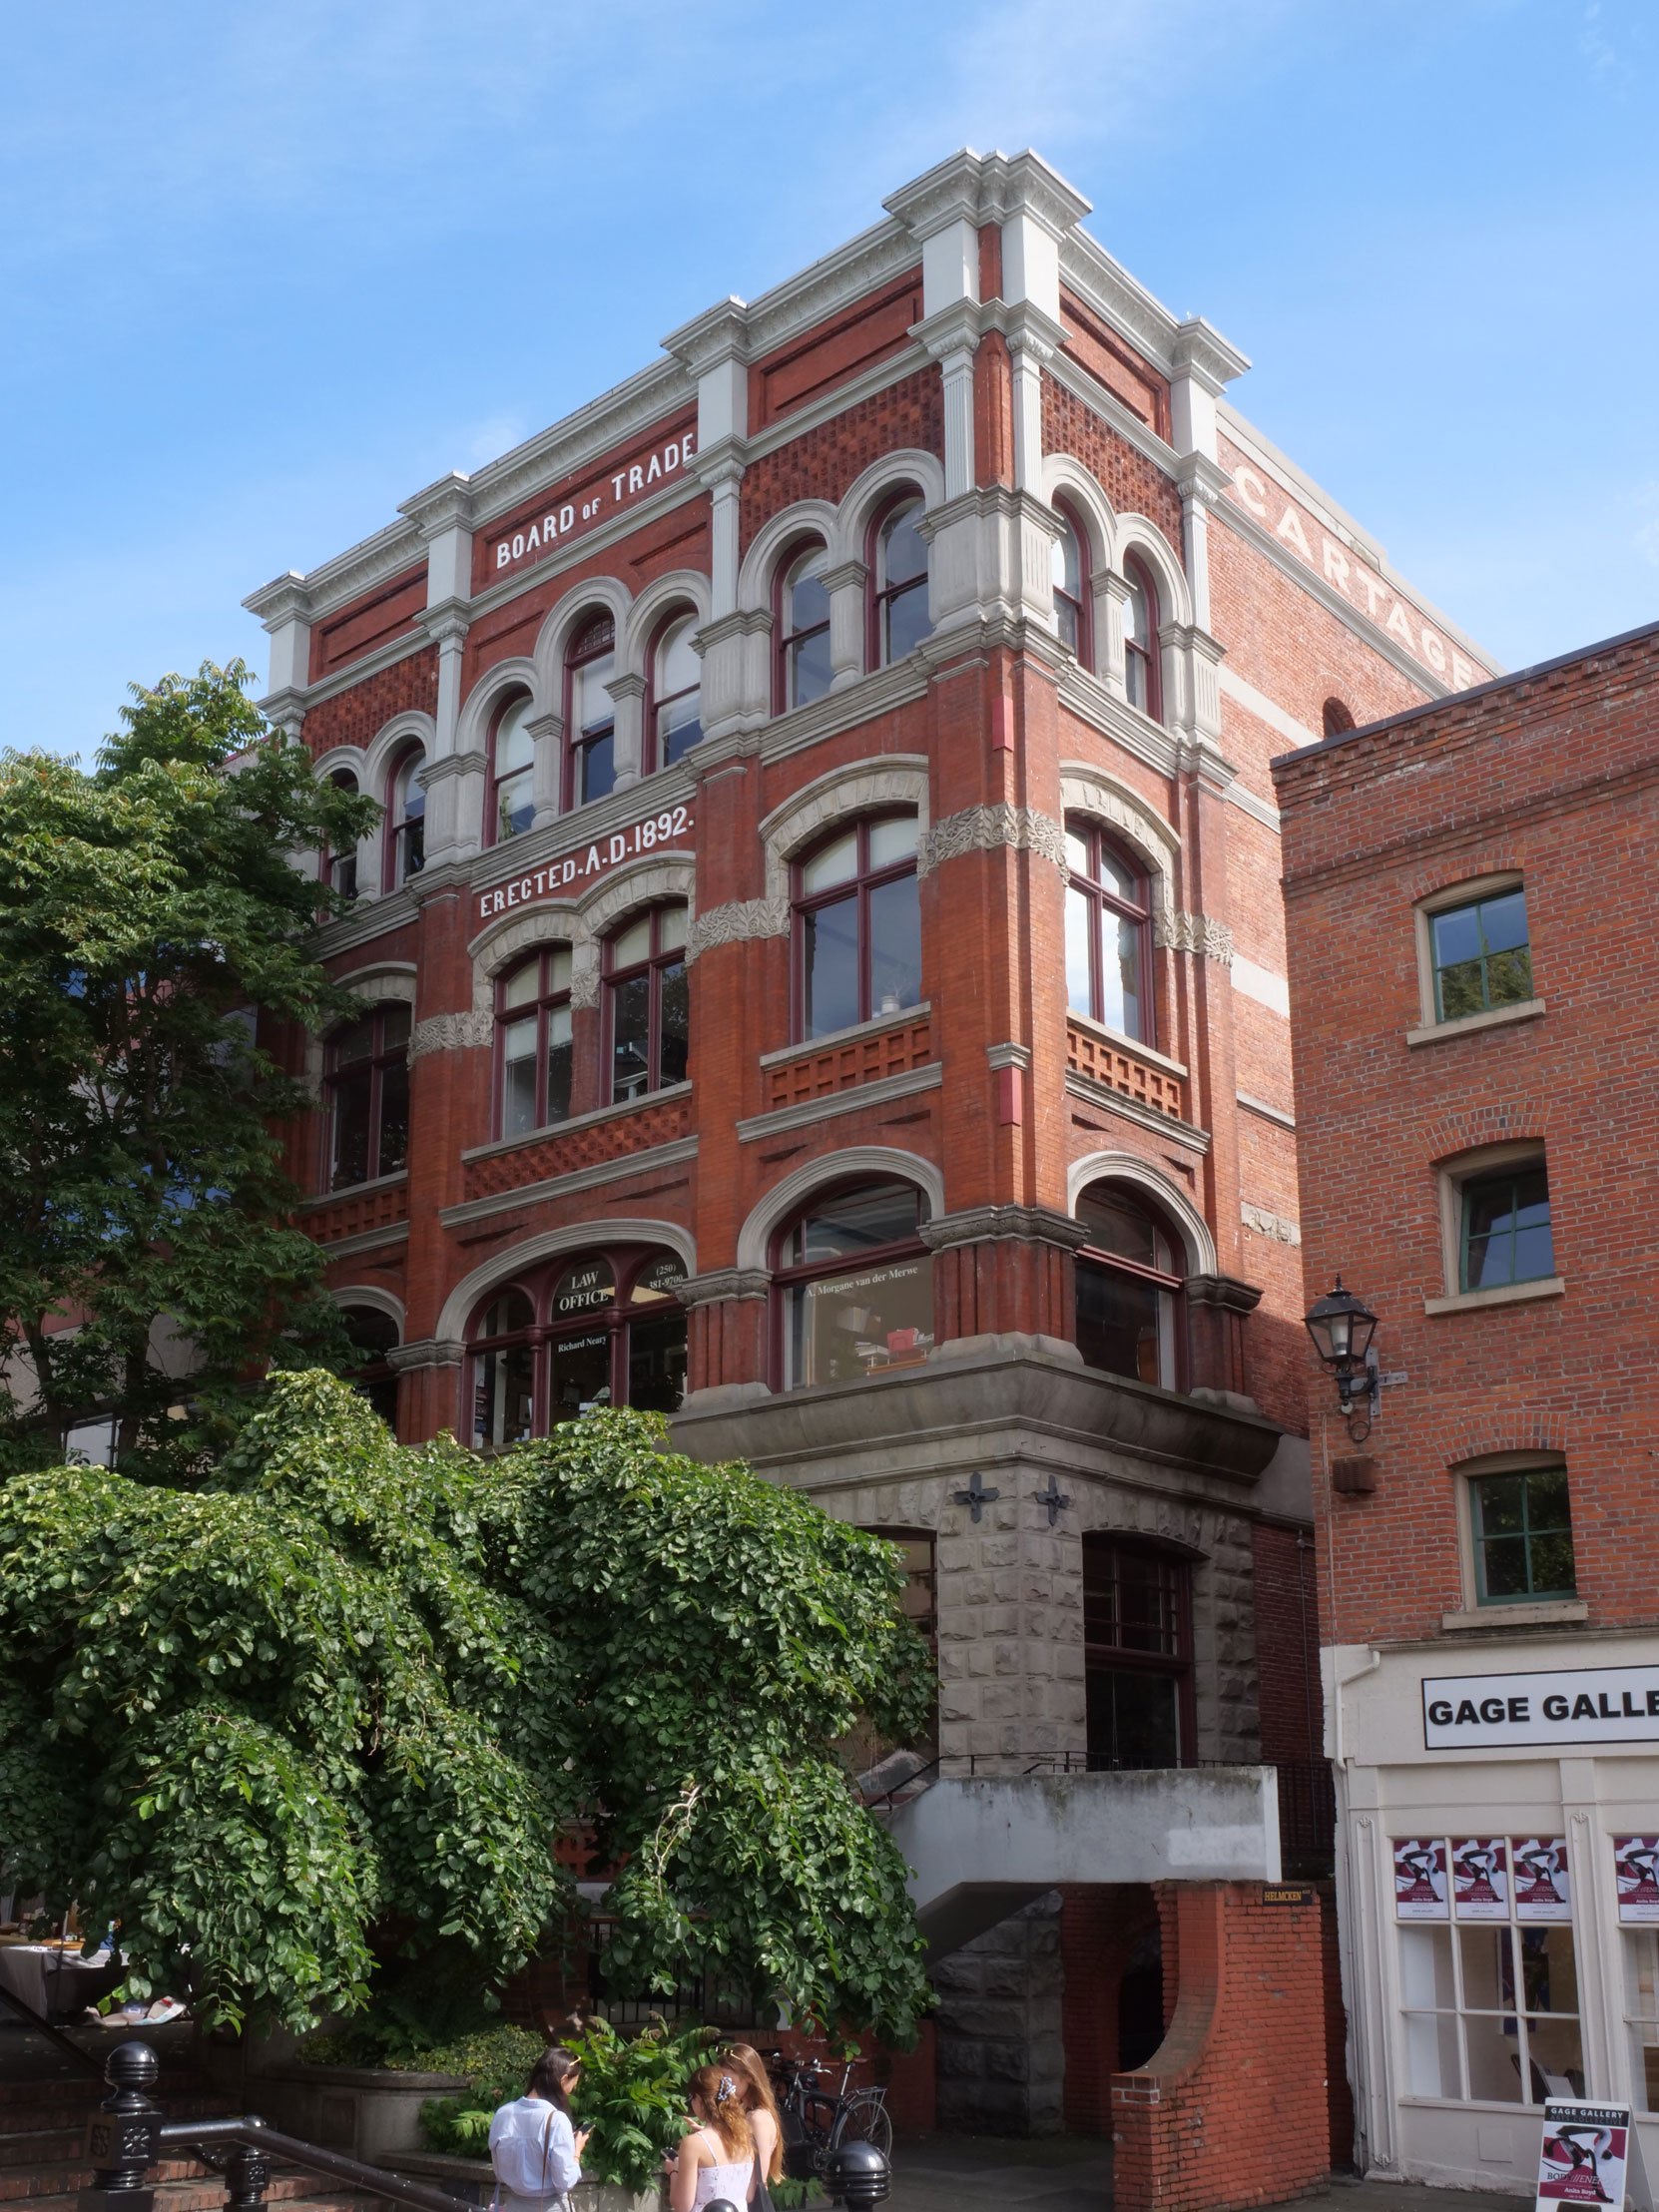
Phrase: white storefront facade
(1498, 1887)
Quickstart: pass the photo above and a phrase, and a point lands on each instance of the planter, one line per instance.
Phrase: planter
(373, 2112)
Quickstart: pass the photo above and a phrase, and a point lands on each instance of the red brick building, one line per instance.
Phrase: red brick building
(1477, 1125)
(823, 971)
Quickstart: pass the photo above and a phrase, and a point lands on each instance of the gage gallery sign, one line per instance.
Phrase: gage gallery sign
(1586, 1705)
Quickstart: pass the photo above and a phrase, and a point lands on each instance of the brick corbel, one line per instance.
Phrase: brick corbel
(1217, 1308)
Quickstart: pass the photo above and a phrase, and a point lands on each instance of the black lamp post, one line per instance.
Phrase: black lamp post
(1341, 1327)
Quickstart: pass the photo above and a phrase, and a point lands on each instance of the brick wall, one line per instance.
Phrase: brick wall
(357, 715)
(1131, 482)
(821, 463)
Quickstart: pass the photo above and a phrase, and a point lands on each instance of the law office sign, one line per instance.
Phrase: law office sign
(1582, 1705)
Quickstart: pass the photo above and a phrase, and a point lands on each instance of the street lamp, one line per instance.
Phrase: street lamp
(1341, 1327)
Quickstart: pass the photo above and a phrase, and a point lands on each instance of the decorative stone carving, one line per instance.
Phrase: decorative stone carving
(1184, 932)
(449, 1033)
(980, 1223)
(983, 828)
(736, 922)
(1276, 1225)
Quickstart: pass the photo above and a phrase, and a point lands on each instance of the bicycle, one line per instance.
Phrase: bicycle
(818, 2119)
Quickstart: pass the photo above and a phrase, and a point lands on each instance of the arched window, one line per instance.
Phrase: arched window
(1337, 718)
(1072, 608)
(1127, 1287)
(675, 717)
(342, 867)
(647, 1003)
(406, 812)
(899, 584)
(533, 1042)
(590, 713)
(366, 1083)
(855, 1285)
(601, 1327)
(1108, 934)
(1141, 669)
(857, 926)
(512, 801)
(803, 630)
(373, 1337)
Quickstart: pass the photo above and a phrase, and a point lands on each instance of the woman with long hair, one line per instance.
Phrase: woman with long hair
(716, 2159)
(766, 2122)
(534, 2147)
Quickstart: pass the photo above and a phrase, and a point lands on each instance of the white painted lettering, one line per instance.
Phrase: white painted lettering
(524, 892)
(532, 541)
(1397, 622)
(592, 866)
(636, 478)
(541, 876)
(549, 528)
(518, 544)
(512, 895)
(1336, 563)
(686, 448)
(1433, 652)
(1372, 591)
(619, 847)
(567, 515)
(656, 468)
(1291, 530)
(1462, 675)
(671, 454)
(504, 554)
(568, 873)
(617, 483)
(1252, 490)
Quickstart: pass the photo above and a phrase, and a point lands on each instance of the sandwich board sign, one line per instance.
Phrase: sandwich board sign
(1584, 2155)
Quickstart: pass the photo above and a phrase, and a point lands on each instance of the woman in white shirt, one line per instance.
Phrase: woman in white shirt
(716, 2163)
(534, 2148)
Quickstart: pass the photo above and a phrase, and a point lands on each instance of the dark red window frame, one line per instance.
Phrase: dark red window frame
(340, 868)
(492, 796)
(1103, 1553)
(878, 596)
(793, 555)
(379, 1062)
(1097, 1256)
(590, 641)
(394, 872)
(1083, 605)
(866, 881)
(1150, 660)
(787, 1277)
(652, 742)
(655, 964)
(628, 1264)
(1102, 898)
(540, 1008)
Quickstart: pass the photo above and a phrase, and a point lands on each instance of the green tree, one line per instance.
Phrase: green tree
(150, 913)
(308, 1730)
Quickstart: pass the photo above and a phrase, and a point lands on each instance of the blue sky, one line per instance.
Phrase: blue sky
(267, 271)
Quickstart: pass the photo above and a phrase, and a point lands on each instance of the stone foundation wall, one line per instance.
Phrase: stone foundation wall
(1001, 2063)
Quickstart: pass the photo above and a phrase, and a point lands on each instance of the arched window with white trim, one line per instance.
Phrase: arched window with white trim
(407, 819)
(1142, 675)
(1130, 1272)
(534, 1053)
(648, 1003)
(675, 720)
(854, 1294)
(1073, 612)
(366, 1087)
(512, 799)
(801, 618)
(590, 712)
(856, 926)
(591, 1328)
(898, 564)
(1108, 932)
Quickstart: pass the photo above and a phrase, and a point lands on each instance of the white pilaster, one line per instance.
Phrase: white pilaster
(547, 735)
(628, 741)
(845, 586)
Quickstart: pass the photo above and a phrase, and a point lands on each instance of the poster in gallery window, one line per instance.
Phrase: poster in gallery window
(1584, 2153)
(1542, 1883)
(1480, 1876)
(1636, 1878)
(1421, 1878)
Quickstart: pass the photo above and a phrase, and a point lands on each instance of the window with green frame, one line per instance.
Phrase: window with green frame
(1522, 1534)
(1481, 956)
(1505, 1234)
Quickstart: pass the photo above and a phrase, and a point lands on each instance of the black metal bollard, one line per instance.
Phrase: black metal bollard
(247, 2178)
(122, 2134)
(858, 2175)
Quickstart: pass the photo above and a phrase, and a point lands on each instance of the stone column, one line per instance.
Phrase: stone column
(547, 733)
(727, 1337)
(628, 744)
(845, 586)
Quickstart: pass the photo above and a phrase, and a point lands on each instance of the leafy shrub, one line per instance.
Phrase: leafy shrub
(633, 2095)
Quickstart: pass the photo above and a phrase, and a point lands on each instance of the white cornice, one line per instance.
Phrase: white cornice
(356, 571)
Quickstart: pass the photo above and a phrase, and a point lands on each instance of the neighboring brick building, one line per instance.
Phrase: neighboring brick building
(823, 968)
(1477, 1119)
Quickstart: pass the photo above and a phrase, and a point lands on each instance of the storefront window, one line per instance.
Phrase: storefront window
(1641, 2013)
(1487, 1971)
(604, 1328)
(856, 1286)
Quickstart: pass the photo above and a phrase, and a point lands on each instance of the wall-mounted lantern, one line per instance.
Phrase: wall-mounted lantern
(1341, 1327)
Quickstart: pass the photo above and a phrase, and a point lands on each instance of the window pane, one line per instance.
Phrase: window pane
(1549, 1971)
(1503, 921)
(907, 621)
(836, 863)
(1641, 2009)
(560, 1057)
(848, 1326)
(894, 840)
(1137, 678)
(586, 1284)
(656, 1363)
(518, 1077)
(395, 1023)
(514, 746)
(1556, 2056)
(1077, 853)
(1133, 1718)
(355, 1043)
(808, 598)
(1147, 1596)
(558, 968)
(658, 1281)
(1137, 619)
(1079, 929)
(1431, 2051)
(412, 792)
(895, 946)
(394, 1118)
(1121, 973)
(631, 1036)
(671, 928)
(502, 1395)
(678, 667)
(1066, 562)
(1493, 2046)
(857, 1221)
(581, 1375)
(1116, 1225)
(595, 769)
(1425, 1969)
(1120, 878)
(595, 708)
(512, 1310)
(351, 1101)
(673, 1049)
(1488, 1969)
(678, 728)
(523, 986)
(904, 549)
(633, 945)
(809, 669)
(1117, 1323)
(830, 967)
(515, 805)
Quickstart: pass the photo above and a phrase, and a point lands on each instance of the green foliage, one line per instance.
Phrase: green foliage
(148, 911)
(632, 2095)
(309, 1730)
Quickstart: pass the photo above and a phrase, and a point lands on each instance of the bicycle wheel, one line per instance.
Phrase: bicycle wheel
(865, 2120)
